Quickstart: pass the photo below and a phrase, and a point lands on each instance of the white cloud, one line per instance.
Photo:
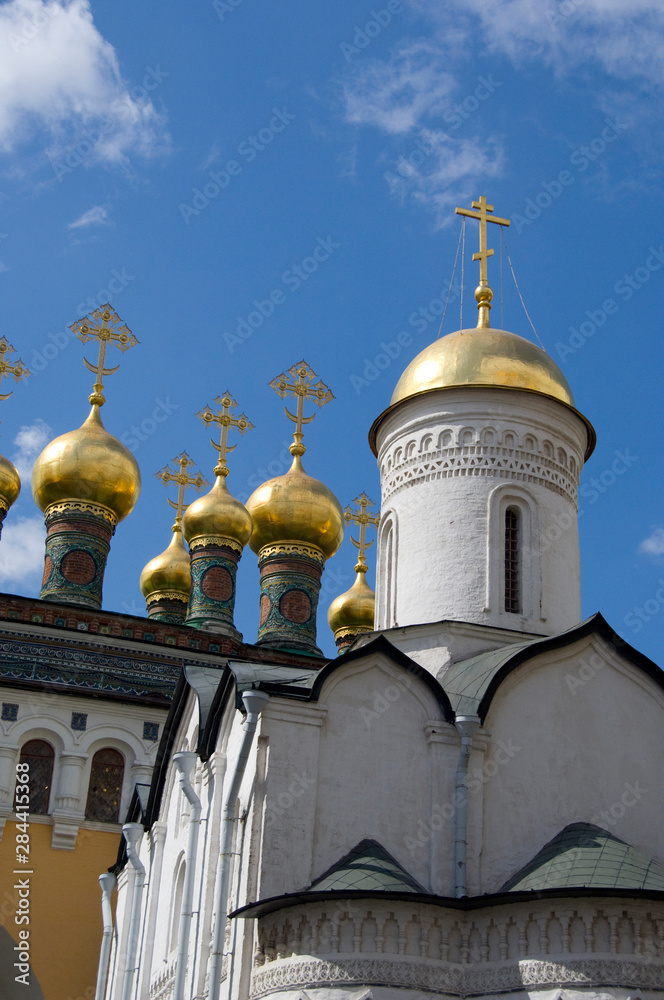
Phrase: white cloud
(30, 441)
(654, 544)
(441, 171)
(624, 38)
(396, 96)
(93, 216)
(22, 550)
(60, 77)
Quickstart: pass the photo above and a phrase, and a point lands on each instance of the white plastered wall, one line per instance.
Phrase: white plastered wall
(450, 461)
(368, 760)
(583, 726)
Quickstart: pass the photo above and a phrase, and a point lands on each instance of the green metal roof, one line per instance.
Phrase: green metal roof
(583, 855)
(368, 867)
(471, 684)
(467, 681)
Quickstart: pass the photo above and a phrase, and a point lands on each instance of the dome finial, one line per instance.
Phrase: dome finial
(299, 381)
(226, 421)
(105, 326)
(166, 579)
(483, 293)
(183, 480)
(10, 482)
(361, 517)
(17, 371)
(352, 614)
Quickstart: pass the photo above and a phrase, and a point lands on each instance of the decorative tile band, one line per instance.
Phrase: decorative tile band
(167, 606)
(77, 546)
(290, 585)
(212, 596)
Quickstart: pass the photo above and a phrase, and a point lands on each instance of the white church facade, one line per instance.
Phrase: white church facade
(465, 802)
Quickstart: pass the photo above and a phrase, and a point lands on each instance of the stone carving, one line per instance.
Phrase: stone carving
(483, 452)
(431, 948)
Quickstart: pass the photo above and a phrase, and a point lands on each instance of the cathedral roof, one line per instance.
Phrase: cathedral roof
(367, 868)
(483, 357)
(472, 683)
(583, 855)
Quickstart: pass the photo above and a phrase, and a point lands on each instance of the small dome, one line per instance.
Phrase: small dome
(88, 464)
(296, 508)
(10, 482)
(483, 356)
(354, 609)
(217, 514)
(169, 571)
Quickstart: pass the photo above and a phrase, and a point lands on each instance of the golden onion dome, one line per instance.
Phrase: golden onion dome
(169, 571)
(355, 609)
(10, 483)
(90, 465)
(296, 508)
(486, 357)
(217, 514)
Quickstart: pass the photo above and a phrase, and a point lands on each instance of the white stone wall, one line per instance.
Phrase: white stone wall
(566, 734)
(584, 727)
(366, 761)
(450, 463)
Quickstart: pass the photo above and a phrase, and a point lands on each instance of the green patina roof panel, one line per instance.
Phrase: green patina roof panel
(585, 856)
(367, 868)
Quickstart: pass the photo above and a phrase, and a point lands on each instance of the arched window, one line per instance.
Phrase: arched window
(104, 792)
(386, 582)
(176, 906)
(512, 560)
(40, 756)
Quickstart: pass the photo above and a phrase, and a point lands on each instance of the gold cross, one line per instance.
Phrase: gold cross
(103, 325)
(183, 480)
(16, 371)
(226, 422)
(483, 293)
(299, 381)
(361, 516)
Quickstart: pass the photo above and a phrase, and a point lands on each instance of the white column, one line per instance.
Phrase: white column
(69, 791)
(8, 758)
(157, 838)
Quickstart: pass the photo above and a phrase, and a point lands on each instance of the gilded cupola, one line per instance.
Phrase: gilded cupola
(352, 614)
(297, 525)
(85, 481)
(217, 528)
(481, 356)
(166, 580)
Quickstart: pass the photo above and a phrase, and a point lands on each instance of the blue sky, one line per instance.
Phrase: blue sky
(186, 162)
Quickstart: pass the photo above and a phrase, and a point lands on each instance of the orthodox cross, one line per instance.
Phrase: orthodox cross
(299, 381)
(183, 480)
(363, 518)
(16, 371)
(483, 293)
(226, 422)
(105, 326)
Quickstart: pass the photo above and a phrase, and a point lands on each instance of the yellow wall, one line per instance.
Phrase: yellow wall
(65, 907)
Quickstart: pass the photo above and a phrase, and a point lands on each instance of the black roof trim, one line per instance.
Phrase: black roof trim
(275, 903)
(383, 646)
(595, 625)
(209, 731)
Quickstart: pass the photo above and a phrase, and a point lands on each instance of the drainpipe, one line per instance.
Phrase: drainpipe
(254, 702)
(467, 726)
(107, 883)
(132, 834)
(185, 763)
